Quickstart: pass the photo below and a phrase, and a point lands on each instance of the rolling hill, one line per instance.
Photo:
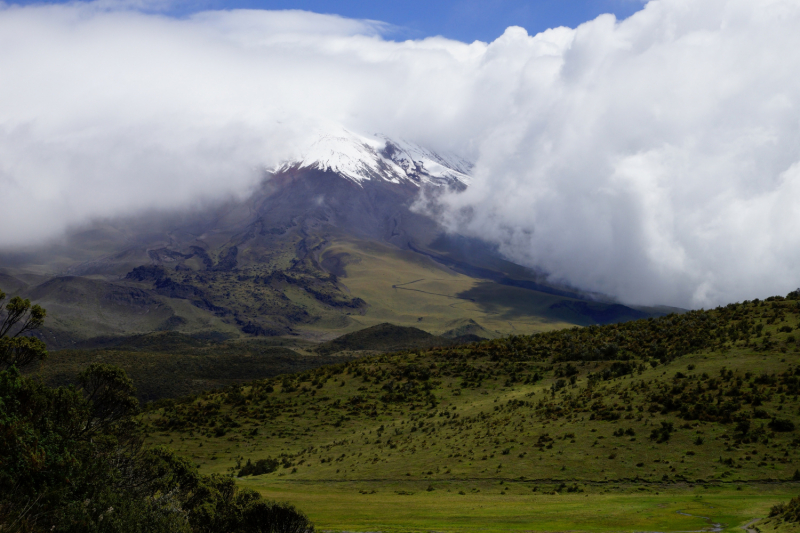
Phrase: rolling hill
(701, 406)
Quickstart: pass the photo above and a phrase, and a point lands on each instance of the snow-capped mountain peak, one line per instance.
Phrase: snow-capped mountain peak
(360, 158)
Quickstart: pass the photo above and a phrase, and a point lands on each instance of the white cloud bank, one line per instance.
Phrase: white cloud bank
(656, 159)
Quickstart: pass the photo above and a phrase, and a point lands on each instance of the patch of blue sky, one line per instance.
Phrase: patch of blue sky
(463, 20)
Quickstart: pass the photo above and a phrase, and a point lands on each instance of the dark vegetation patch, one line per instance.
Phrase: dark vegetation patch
(169, 365)
(599, 313)
(335, 263)
(512, 304)
(787, 512)
(74, 458)
(254, 298)
(260, 467)
(385, 338)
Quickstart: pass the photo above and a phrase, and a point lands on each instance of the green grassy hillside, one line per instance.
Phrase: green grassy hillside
(81, 308)
(703, 401)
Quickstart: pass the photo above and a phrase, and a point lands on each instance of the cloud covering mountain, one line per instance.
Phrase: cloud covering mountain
(655, 158)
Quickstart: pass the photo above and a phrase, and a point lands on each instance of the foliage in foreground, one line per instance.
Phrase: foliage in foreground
(17, 318)
(787, 512)
(73, 460)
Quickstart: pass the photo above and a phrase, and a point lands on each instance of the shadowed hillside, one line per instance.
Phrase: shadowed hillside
(169, 365)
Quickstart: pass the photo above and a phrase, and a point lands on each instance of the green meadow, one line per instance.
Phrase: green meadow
(512, 506)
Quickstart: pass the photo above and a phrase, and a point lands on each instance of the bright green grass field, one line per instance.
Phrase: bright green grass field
(342, 507)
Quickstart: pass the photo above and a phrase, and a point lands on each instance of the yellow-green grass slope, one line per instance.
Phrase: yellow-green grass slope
(80, 308)
(409, 289)
(686, 406)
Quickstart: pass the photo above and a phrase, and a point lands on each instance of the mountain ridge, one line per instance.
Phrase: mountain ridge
(324, 246)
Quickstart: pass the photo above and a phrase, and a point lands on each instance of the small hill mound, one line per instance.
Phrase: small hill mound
(384, 338)
(467, 330)
(10, 284)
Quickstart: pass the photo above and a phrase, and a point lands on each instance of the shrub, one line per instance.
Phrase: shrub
(263, 516)
(70, 455)
(663, 433)
(262, 466)
(781, 424)
(788, 512)
(73, 460)
(743, 427)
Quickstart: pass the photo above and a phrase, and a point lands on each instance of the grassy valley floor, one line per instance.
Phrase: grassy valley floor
(512, 506)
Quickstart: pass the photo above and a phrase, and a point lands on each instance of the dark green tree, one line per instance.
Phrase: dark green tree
(72, 459)
(18, 318)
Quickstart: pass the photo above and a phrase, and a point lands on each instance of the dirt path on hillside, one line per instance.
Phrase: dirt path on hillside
(747, 527)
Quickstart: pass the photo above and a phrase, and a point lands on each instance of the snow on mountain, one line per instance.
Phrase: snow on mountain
(361, 158)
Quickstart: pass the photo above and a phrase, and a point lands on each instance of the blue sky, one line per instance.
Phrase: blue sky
(464, 20)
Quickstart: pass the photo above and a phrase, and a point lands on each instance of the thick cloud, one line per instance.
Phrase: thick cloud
(660, 160)
(656, 159)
